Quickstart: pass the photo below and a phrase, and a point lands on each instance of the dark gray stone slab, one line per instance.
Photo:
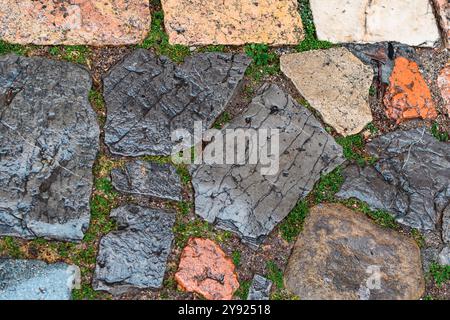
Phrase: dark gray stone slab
(260, 288)
(48, 144)
(446, 225)
(238, 197)
(381, 56)
(149, 97)
(411, 179)
(148, 179)
(36, 280)
(135, 255)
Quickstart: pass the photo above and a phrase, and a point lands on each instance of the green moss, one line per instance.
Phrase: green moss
(244, 288)
(353, 147)
(76, 54)
(222, 120)
(212, 48)
(6, 47)
(310, 42)
(265, 62)
(156, 159)
(438, 133)
(98, 103)
(184, 207)
(184, 174)
(158, 40)
(292, 226)
(236, 257)
(327, 187)
(440, 273)
(10, 247)
(196, 228)
(380, 217)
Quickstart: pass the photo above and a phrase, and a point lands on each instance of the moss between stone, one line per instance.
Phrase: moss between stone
(440, 274)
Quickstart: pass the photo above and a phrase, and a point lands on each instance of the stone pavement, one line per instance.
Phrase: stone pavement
(86, 176)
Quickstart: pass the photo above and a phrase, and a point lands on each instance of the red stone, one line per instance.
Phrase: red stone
(408, 96)
(205, 269)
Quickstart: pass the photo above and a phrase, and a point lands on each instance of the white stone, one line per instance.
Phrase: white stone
(367, 21)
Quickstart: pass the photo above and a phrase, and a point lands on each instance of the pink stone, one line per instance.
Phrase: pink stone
(74, 22)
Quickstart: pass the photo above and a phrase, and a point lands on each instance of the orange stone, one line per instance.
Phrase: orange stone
(205, 269)
(444, 85)
(408, 96)
(74, 22)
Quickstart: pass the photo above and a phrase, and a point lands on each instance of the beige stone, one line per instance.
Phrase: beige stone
(74, 22)
(232, 22)
(335, 83)
(342, 254)
(368, 21)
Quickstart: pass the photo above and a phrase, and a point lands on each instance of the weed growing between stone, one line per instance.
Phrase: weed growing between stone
(310, 42)
(158, 40)
(74, 54)
(353, 147)
(440, 274)
(6, 47)
(265, 61)
(439, 134)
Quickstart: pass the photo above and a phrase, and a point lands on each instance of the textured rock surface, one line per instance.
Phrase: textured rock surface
(371, 21)
(36, 280)
(43, 22)
(238, 197)
(446, 225)
(205, 269)
(48, 144)
(135, 255)
(381, 56)
(149, 97)
(411, 179)
(408, 96)
(443, 12)
(338, 253)
(148, 179)
(232, 22)
(260, 288)
(444, 86)
(335, 83)
(444, 256)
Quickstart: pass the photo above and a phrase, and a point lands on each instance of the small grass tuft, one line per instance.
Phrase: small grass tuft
(327, 187)
(265, 62)
(76, 54)
(440, 273)
(310, 42)
(438, 133)
(236, 257)
(158, 40)
(353, 147)
(98, 103)
(222, 120)
(292, 226)
(244, 288)
(18, 49)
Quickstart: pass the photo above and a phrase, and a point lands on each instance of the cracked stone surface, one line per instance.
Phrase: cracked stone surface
(74, 22)
(148, 97)
(260, 288)
(408, 95)
(233, 22)
(335, 83)
(341, 253)
(443, 12)
(446, 225)
(443, 82)
(48, 144)
(135, 255)
(239, 197)
(148, 179)
(444, 256)
(369, 21)
(381, 56)
(411, 179)
(36, 280)
(205, 269)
